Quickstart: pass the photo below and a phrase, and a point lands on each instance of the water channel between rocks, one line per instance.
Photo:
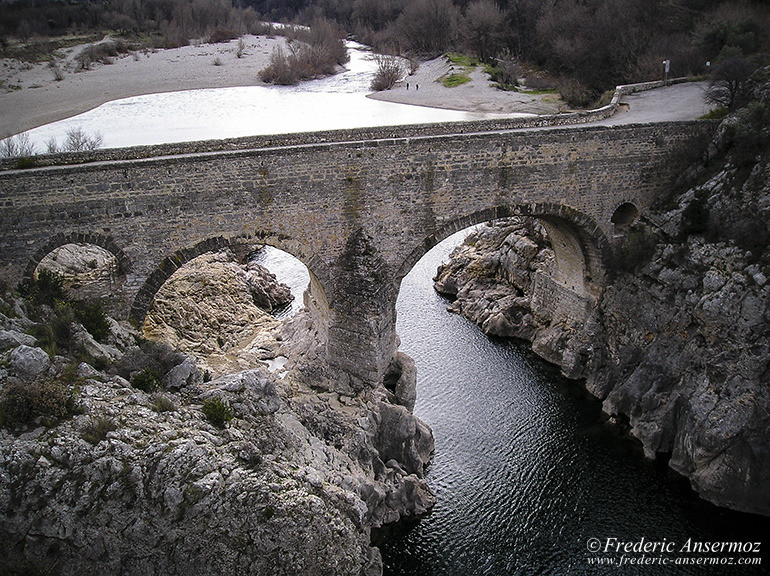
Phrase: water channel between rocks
(525, 470)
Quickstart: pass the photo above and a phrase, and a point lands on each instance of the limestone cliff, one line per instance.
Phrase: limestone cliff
(124, 456)
(678, 348)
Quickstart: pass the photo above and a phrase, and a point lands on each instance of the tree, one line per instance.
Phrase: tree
(482, 27)
(429, 26)
(729, 78)
(390, 70)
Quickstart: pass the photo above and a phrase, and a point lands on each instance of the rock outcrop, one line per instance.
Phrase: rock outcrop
(218, 310)
(172, 462)
(678, 348)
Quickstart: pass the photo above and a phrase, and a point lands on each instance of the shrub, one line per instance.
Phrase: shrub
(312, 53)
(58, 73)
(575, 94)
(749, 135)
(638, 248)
(47, 288)
(96, 430)
(217, 412)
(49, 399)
(695, 217)
(281, 70)
(162, 403)
(389, 71)
(91, 315)
(55, 333)
(148, 380)
(505, 72)
(220, 36)
(102, 52)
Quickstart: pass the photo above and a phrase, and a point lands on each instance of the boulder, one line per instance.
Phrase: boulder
(28, 363)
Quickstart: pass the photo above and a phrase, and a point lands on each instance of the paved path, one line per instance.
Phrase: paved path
(678, 102)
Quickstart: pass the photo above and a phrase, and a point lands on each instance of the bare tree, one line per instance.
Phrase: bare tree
(482, 28)
(390, 69)
(429, 26)
(16, 146)
(79, 141)
(729, 78)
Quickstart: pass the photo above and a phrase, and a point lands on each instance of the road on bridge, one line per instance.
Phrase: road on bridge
(685, 101)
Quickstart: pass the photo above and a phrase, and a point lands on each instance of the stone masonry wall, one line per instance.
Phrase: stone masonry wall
(353, 211)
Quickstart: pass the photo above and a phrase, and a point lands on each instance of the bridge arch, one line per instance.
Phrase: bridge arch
(103, 241)
(241, 246)
(582, 250)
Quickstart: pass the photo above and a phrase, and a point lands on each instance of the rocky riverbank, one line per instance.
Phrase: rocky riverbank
(126, 456)
(678, 348)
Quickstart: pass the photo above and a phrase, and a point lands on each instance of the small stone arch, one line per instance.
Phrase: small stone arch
(58, 240)
(239, 245)
(624, 215)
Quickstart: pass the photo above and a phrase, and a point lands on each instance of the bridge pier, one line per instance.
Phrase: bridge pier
(362, 314)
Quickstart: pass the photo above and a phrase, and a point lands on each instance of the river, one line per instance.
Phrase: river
(526, 471)
(330, 103)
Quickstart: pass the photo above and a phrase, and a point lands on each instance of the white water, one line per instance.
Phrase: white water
(331, 103)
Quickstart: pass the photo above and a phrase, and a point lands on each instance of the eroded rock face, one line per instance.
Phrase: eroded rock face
(680, 343)
(88, 271)
(138, 482)
(209, 309)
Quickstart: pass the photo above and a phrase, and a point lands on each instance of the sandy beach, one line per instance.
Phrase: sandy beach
(32, 97)
(40, 99)
(478, 95)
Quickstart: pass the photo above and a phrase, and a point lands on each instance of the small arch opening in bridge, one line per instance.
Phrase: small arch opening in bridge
(89, 271)
(624, 215)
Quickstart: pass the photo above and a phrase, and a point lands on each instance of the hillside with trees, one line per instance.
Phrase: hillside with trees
(582, 47)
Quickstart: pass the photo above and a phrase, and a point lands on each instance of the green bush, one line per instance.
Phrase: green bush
(749, 136)
(47, 288)
(22, 403)
(717, 113)
(91, 315)
(148, 380)
(695, 218)
(54, 334)
(217, 412)
(638, 248)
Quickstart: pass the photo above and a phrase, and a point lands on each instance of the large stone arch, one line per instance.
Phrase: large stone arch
(319, 274)
(61, 239)
(582, 250)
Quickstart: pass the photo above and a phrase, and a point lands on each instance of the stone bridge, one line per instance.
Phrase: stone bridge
(359, 208)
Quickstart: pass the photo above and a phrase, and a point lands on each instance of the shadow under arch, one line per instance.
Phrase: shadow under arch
(579, 244)
(58, 240)
(240, 245)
